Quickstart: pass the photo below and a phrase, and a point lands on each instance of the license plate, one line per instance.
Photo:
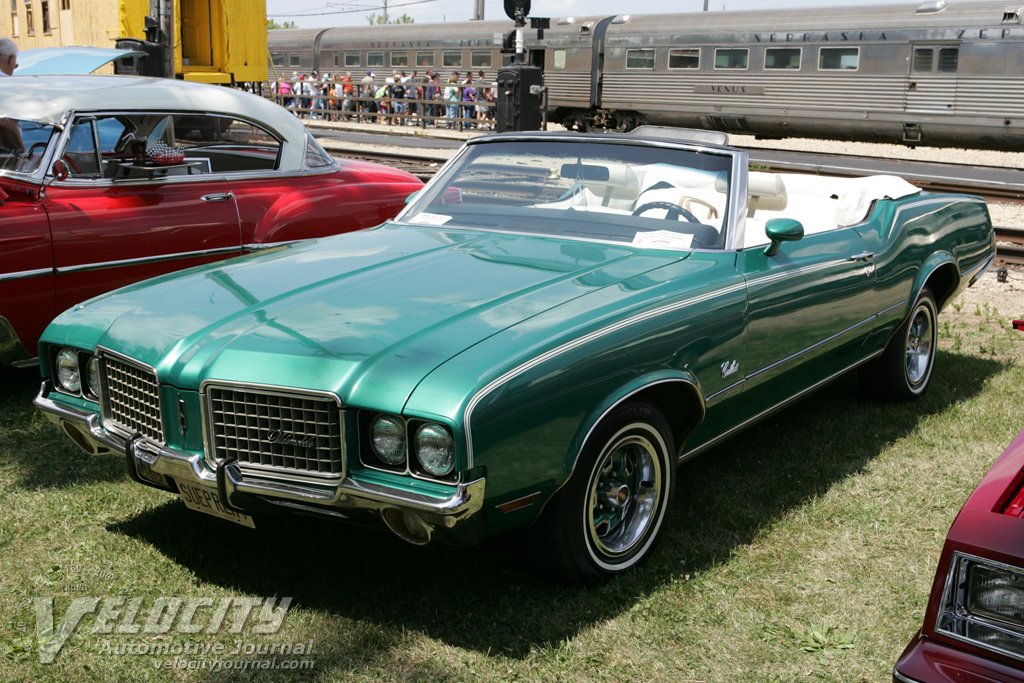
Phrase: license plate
(205, 500)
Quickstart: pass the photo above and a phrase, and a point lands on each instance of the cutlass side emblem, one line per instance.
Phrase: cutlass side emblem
(729, 367)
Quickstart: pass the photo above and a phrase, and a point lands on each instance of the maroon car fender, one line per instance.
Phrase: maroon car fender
(269, 215)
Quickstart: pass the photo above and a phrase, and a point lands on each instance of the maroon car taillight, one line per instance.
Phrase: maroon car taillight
(1016, 506)
(1015, 498)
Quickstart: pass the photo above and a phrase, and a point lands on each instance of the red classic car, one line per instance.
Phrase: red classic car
(974, 626)
(108, 180)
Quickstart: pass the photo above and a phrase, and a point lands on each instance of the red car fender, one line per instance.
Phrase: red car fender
(340, 202)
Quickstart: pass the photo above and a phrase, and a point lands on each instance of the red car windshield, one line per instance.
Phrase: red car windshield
(22, 144)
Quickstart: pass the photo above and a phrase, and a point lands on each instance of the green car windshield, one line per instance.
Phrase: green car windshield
(643, 195)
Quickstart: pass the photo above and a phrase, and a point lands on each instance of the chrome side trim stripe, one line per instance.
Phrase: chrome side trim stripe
(712, 397)
(811, 347)
(569, 346)
(778, 406)
(148, 259)
(785, 274)
(25, 274)
(977, 271)
(270, 245)
(894, 306)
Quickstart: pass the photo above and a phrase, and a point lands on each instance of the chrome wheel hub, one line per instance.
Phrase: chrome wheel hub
(625, 495)
(919, 347)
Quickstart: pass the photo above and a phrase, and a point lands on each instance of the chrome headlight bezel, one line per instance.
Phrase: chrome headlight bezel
(372, 457)
(67, 370)
(388, 440)
(75, 372)
(963, 616)
(434, 447)
(91, 385)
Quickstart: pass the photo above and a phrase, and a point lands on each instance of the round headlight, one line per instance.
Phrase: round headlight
(435, 449)
(92, 376)
(387, 434)
(68, 373)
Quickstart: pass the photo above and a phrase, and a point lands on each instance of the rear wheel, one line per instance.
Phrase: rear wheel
(609, 516)
(903, 370)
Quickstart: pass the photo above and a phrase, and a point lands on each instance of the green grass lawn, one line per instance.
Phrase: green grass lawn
(802, 549)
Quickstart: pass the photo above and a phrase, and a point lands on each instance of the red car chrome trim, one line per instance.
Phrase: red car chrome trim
(148, 259)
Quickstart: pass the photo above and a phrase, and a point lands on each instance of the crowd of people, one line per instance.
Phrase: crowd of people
(400, 99)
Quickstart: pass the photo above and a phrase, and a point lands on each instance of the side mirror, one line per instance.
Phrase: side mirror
(781, 230)
(60, 170)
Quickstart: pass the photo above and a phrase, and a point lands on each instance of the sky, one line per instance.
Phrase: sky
(327, 13)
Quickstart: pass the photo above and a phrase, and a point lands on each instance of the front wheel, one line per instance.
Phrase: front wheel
(609, 516)
(903, 370)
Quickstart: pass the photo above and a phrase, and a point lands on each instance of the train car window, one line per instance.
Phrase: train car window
(375, 59)
(684, 59)
(731, 57)
(424, 59)
(294, 59)
(480, 60)
(640, 59)
(352, 59)
(923, 60)
(452, 59)
(949, 60)
(506, 60)
(558, 59)
(277, 58)
(838, 59)
(782, 57)
(399, 59)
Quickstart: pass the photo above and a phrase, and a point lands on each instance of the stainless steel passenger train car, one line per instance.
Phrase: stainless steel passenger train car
(937, 73)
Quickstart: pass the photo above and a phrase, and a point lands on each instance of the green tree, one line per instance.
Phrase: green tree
(379, 19)
(271, 25)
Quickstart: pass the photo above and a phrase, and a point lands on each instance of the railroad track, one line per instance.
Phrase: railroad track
(1010, 246)
(1009, 241)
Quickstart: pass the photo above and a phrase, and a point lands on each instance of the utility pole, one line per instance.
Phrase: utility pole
(478, 10)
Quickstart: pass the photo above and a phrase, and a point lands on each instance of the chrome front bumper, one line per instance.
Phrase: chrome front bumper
(416, 518)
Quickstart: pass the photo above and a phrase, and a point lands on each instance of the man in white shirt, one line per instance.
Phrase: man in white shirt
(8, 57)
(11, 144)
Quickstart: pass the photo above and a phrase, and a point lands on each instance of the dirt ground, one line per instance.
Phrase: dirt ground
(980, 319)
(1007, 297)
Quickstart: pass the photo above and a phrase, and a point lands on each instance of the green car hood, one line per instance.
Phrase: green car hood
(369, 312)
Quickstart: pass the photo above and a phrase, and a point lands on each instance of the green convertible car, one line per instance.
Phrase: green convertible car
(549, 327)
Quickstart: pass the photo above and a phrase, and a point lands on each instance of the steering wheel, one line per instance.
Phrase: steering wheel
(670, 207)
(32, 150)
(687, 201)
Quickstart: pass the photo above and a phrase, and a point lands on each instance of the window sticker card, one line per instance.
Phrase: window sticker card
(662, 239)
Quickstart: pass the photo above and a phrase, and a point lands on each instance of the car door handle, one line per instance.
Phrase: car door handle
(865, 256)
(220, 197)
